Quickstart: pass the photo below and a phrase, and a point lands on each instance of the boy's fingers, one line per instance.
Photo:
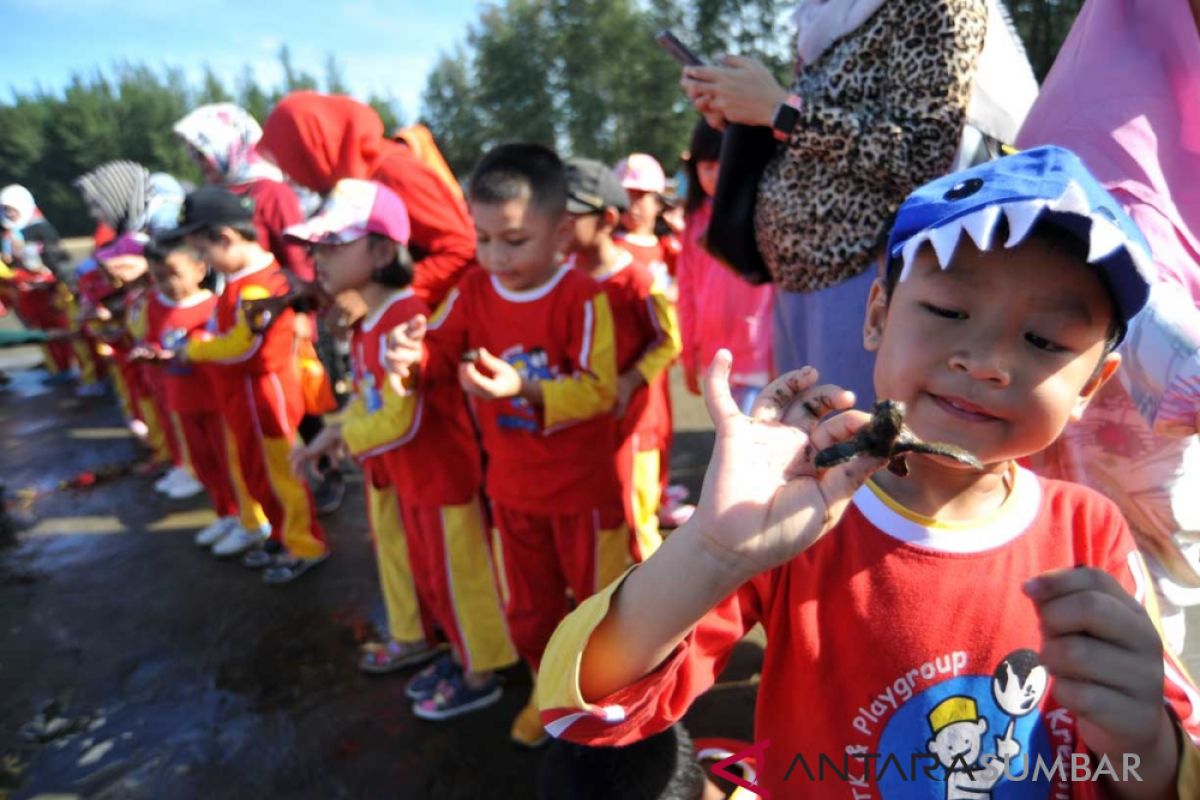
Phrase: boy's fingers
(1086, 658)
(808, 408)
(1049, 585)
(778, 396)
(1101, 705)
(490, 361)
(838, 428)
(1099, 615)
(839, 483)
(416, 326)
(717, 396)
(702, 74)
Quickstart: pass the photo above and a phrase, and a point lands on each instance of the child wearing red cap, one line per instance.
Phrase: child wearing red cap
(417, 447)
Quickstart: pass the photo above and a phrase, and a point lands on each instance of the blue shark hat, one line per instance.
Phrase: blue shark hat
(1047, 184)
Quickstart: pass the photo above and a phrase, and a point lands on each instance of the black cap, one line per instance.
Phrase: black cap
(210, 207)
(592, 187)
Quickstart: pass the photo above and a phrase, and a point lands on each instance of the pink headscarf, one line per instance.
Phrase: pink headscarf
(1123, 95)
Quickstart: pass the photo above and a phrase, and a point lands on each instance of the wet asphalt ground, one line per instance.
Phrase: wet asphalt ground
(135, 665)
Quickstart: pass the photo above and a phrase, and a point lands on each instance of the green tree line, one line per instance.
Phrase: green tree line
(48, 138)
(584, 76)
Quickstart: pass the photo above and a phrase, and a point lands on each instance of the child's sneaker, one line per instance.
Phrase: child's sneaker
(454, 697)
(380, 658)
(330, 492)
(167, 481)
(288, 567)
(183, 488)
(238, 540)
(527, 729)
(262, 556)
(215, 532)
(422, 685)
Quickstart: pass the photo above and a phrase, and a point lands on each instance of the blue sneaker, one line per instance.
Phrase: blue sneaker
(454, 697)
(423, 685)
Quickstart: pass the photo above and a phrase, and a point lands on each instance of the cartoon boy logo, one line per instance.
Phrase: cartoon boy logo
(957, 743)
(1018, 685)
(533, 364)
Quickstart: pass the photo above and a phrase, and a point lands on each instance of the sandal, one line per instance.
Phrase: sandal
(454, 697)
(380, 658)
(423, 685)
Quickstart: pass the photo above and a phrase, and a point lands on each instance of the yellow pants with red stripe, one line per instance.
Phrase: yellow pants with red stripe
(435, 568)
(250, 513)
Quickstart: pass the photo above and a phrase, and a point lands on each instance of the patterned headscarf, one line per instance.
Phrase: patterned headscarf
(225, 135)
(119, 192)
(18, 197)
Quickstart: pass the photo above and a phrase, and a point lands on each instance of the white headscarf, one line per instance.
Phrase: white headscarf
(226, 135)
(820, 23)
(17, 197)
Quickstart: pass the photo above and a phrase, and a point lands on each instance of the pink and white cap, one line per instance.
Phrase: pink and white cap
(354, 209)
(641, 172)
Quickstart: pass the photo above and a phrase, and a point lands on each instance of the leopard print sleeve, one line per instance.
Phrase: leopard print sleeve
(900, 126)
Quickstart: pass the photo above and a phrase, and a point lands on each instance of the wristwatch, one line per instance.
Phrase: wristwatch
(786, 117)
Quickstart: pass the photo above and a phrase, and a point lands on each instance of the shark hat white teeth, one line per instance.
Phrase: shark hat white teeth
(1043, 186)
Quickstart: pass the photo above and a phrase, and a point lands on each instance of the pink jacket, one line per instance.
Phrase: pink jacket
(718, 309)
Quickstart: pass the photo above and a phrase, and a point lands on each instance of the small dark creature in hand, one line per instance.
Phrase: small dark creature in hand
(886, 437)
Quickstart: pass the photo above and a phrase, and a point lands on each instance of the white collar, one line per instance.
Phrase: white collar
(1008, 522)
(257, 265)
(195, 300)
(395, 297)
(529, 295)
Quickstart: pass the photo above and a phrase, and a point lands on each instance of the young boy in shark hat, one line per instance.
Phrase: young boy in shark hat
(943, 633)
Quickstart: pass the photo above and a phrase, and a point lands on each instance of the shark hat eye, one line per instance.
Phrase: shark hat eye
(964, 189)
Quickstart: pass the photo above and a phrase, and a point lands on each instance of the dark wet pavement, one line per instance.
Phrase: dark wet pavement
(135, 665)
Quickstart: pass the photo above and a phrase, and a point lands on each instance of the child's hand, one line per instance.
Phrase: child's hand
(763, 501)
(500, 380)
(405, 345)
(304, 458)
(627, 384)
(1106, 658)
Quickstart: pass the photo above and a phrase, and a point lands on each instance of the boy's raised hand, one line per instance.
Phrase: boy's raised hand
(763, 500)
(405, 346)
(1106, 659)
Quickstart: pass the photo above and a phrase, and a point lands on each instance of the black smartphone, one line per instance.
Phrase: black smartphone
(678, 50)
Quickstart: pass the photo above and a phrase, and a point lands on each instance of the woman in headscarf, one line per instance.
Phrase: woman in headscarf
(319, 139)
(875, 108)
(32, 264)
(1122, 94)
(222, 139)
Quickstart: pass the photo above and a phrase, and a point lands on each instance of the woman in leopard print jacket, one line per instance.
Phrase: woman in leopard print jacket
(882, 88)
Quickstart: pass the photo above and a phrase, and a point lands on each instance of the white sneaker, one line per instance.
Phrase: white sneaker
(185, 487)
(215, 532)
(167, 481)
(238, 540)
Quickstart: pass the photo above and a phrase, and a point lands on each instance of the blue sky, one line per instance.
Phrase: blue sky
(385, 47)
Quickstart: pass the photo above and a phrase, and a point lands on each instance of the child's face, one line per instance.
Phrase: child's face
(706, 174)
(995, 353)
(341, 267)
(642, 213)
(588, 230)
(221, 253)
(518, 242)
(178, 276)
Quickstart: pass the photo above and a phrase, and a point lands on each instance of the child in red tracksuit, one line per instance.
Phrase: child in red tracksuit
(418, 450)
(179, 308)
(537, 353)
(257, 378)
(647, 340)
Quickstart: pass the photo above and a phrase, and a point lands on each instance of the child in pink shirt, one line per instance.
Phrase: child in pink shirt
(717, 308)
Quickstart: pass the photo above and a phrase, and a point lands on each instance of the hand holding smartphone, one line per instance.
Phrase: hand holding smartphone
(677, 49)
